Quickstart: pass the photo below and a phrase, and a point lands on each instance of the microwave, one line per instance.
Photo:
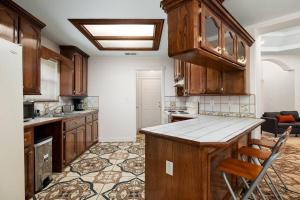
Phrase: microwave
(28, 110)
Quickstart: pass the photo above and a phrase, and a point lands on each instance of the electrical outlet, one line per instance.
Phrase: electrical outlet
(169, 168)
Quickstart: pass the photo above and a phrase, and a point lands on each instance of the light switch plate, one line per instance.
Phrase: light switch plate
(169, 168)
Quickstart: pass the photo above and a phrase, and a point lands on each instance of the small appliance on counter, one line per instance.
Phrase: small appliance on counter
(28, 110)
(67, 108)
(78, 104)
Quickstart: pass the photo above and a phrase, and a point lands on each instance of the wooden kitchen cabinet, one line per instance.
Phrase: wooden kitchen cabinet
(214, 84)
(8, 24)
(29, 162)
(19, 26)
(95, 131)
(30, 38)
(89, 136)
(80, 140)
(66, 79)
(211, 31)
(70, 146)
(242, 49)
(197, 29)
(80, 68)
(195, 79)
(84, 75)
(204, 33)
(29, 172)
(228, 43)
(78, 89)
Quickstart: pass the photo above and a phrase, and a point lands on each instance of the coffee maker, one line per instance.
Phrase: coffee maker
(78, 104)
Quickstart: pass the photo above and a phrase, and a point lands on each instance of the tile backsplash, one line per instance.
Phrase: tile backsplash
(240, 106)
(44, 107)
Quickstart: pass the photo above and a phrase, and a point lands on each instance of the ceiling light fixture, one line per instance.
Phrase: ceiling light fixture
(122, 34)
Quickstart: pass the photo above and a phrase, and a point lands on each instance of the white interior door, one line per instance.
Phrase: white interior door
(149, 99)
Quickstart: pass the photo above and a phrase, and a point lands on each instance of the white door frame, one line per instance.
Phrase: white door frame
(138, 111)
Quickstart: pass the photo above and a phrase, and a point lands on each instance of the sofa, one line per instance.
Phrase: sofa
(272, 125)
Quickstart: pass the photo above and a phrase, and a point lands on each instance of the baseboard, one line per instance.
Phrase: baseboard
(127, 139)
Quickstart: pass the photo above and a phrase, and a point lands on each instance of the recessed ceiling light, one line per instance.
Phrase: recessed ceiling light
(126, 43)
(121, 30)
(122, 34)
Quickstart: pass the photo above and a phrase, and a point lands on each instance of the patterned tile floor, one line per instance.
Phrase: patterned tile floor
(111, 171)
(115, 171)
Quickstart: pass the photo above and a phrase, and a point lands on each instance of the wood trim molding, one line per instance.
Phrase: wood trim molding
(23, 12)
(158, 24)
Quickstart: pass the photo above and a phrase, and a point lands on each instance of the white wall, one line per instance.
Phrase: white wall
(50, 44)
(291, 61)
(113, 79)
(278, 88)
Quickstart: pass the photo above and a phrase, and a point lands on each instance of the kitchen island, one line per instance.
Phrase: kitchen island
(182, 157)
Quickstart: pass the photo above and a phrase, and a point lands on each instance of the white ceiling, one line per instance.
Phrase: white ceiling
(56, 12)
(282, 41)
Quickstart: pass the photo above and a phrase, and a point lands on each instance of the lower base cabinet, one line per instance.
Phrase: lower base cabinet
(89, 136)
(80, 140)
(29, 162)
(79, 134)
(70, 146)
(95, 131)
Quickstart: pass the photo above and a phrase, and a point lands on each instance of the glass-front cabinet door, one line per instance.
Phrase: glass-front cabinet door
(228, 43)
(211, 31)
(241, 55)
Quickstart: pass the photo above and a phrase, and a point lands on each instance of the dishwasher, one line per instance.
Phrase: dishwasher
(43, 163)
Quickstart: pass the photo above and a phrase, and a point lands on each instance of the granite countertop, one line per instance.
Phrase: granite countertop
(47, 120)
(205, 129)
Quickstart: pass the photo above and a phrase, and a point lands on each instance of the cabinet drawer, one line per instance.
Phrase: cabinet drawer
(73, 123)
(89, 118)
(95, 116)
(28, 137)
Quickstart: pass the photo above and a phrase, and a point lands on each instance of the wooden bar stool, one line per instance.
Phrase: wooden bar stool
(248, 171)
(263, 155)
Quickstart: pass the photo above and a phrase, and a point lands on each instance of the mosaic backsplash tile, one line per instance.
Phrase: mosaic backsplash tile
(240, 106)
(90, 103)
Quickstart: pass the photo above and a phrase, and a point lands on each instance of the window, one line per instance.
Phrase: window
(49, 82)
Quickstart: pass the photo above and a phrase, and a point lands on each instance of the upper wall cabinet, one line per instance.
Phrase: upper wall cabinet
(211, 31)
(9, 24)
(19, 26)
(30, 38)
(202, 31)
(77, 72)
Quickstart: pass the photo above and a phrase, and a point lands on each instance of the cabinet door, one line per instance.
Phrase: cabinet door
(80, 140)
(214, 81)
(196, 79)
(84, 75)
(95, 131)
(8, 24)
(89, 136)
(228, 43)
(70, 146)
(66, 79)
(242, 49)
(78, 74)
(211, 31)
(30, 38)
(29, 172)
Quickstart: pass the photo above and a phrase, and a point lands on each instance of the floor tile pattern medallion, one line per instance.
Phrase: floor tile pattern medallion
(86, 166)
(115, 171)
